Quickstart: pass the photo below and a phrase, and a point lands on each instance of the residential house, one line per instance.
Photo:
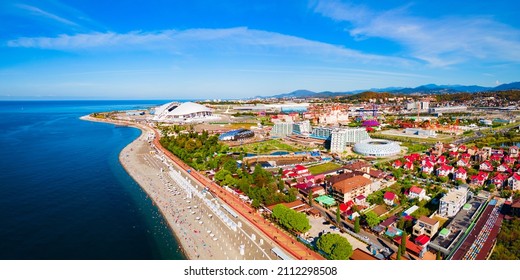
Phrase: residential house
(416, 192)
(479, 179)
(408, 165)
(389, 222)
(481, 156)
(499, 180)
(486, 166)
(452, 202)
(496, 157)
(509, 160)
(360, 200)
(504, 168)
(454, 155)
(463, 162)
(297, 172)
(427, 167)
(350, 188)
(425, 226)
(358, 166)
(514, 151)
(444, 170)
(514, 182)
(397, 164)
(389, 198)
(472, 151)
(301, 170)
(462, 148)
(297, 205)
(441, 160)
(461, 174)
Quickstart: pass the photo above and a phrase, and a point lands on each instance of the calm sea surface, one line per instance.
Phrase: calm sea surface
(63, 192)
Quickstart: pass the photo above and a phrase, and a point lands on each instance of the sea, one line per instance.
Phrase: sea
(63, 193)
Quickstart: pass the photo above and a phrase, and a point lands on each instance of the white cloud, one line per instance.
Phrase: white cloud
(39, 12)
(184, 41)
(438, 41)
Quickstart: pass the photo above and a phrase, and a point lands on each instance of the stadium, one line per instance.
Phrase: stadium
(377, 148)
(235, 135)
(185, 112)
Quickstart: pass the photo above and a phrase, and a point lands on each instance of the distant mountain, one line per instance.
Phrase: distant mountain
(515, 85)
(302, 93)
(423, 89)
(441, 89)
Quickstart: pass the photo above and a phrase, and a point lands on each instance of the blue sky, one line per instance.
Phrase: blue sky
(231, 49)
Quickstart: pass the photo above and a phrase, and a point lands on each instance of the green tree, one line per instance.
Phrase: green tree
(356, 225)
(403, 243)
(221, 175)
(372, 219)
(335, 246)
(338, 217)
(290, 219)
(231, 166)
(311, 197)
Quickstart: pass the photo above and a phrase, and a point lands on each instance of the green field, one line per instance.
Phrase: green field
(265, 147)
(317, 169)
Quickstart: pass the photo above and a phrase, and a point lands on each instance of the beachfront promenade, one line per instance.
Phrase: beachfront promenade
(288, 243)
(195, 236)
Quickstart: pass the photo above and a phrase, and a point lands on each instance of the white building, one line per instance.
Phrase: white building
(303, 127)
(341, 137)
(452, 202)
(448, 109)
(185, 112)
(282, 129)
(420, 132)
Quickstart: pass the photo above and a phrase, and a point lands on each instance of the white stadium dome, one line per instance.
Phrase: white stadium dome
(185, 112)
(377, 148)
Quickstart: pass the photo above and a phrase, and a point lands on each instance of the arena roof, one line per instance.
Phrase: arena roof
(377, 148)
(187, 110)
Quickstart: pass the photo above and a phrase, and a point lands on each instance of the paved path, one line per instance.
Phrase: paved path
(288, 243)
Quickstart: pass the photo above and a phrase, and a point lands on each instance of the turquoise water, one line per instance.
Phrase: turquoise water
(63, 192)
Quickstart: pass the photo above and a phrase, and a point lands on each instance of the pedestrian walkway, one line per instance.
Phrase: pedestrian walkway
(288, 243)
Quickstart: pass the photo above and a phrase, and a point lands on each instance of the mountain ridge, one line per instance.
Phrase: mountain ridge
(422, 89)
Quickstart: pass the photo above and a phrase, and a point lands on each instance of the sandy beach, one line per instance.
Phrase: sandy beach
(200, 231)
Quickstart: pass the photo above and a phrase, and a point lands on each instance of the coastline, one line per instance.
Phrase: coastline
(199, 234)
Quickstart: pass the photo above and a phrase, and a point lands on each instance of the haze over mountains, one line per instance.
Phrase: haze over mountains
(425, 89)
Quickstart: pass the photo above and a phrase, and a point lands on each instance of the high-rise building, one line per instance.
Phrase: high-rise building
(303, 127)
(321, 132)
(341, 137)
(282, 129)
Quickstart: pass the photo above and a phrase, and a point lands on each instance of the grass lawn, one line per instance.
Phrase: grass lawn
(415, 147)
(317, 169)
(266, 147)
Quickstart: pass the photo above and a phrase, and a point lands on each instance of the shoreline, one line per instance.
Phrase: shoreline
(148, 194)
(200, 235)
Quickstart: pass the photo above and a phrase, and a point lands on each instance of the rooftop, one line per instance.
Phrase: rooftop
(351, 184)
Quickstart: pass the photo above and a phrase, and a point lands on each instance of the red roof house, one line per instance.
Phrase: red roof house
(397, 164)
(444, 170)
(499, 179)
(486, 166)
(389, 198)
(427, 167)
(461, 174)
